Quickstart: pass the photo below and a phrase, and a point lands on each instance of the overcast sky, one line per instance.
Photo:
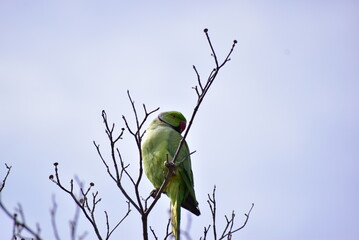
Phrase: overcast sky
(279, 128)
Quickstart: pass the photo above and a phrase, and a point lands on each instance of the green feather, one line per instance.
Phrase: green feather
(160, 142)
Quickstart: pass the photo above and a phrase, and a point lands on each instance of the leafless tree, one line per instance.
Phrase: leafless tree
(88, 199)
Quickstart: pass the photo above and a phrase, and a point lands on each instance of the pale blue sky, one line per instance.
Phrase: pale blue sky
(279, 127)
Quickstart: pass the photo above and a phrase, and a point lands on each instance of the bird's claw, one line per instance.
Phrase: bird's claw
(153, 193)
(171, 167)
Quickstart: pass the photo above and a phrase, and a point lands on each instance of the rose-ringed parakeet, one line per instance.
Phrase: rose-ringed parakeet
(160, 143)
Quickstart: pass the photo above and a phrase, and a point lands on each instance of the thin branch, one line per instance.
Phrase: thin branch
(205, 232)
(121, 169)
(119, 223)
(153, 233)
(124, 168)
(210, 44)
(228, 229)
(103, 160)
(74, 223)
(212, 204)
(18, 225)
(168, 232)
(5, 178)
(198, 78)
(82, 203)
(53, 211)
(245, 222)
(119, 173)
(204, 89)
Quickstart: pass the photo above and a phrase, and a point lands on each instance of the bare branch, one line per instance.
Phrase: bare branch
(246, 220)
(119, 172)
(18, 225)
(168, 232)
(74, 223)
(5, 178)
(198, 78)
(104, 162)
(153, 232)
(119, 223)
(204, 89)
(205, 232)
(53, 211)
(121, 169)
(228, 229)
(82, 202)
(212, 204)
(210, 44)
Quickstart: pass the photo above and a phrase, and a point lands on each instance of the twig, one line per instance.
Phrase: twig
(204, 89)
(205, 232)
(243, 225)
(168, 232)
(118, 224)
(83, 202)
(212, 204)
(228, 230)
(5, 178)
(117, 179)
(121, 168)
(153, 233)
(53, 211)
(18, 225)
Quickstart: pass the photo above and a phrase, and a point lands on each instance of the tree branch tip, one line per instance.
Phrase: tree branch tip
(56, 164)
(235, 41)
(104, 115)
(205, 30)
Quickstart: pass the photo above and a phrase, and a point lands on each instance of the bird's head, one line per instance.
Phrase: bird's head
(174, 119)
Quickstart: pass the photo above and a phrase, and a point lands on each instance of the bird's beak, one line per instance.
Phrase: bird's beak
(182, 126)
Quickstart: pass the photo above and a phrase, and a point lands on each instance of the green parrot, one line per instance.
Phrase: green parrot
(160, 143)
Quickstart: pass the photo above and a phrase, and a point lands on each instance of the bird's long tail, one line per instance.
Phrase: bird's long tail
(176, 218)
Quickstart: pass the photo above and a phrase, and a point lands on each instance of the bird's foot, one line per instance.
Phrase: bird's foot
(153, 193)
(171, 167)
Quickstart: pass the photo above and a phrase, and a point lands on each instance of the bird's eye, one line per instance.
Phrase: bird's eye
(174, 116)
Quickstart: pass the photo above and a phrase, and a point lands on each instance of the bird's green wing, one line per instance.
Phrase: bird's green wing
(184, 170)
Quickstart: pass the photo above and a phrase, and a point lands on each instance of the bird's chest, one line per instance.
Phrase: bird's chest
(155, 152)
